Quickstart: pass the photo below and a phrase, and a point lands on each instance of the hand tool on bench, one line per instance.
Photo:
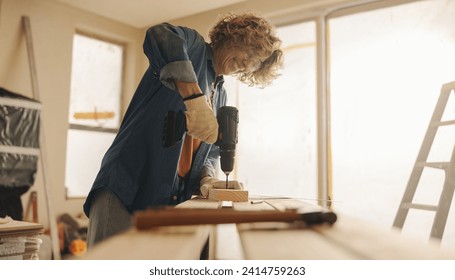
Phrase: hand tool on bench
(170, 216)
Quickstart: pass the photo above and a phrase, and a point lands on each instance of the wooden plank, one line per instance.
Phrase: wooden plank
(372, 242)
(274, 240)
(279, 241)
(228, 195)
(200, 203)
(10, 227)
(227, 245)
(287, 204)
(280, 204)
(165, 243)
(224, 241)
(251, 206)
(93, 115)
(348, 238)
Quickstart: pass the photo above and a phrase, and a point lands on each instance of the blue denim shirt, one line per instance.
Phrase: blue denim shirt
(137, 167)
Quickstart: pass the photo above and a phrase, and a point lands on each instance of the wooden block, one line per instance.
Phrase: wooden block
(228, 195)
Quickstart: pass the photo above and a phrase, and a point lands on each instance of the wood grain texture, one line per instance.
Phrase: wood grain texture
(347, 239)
(228, 195)
(166, 243)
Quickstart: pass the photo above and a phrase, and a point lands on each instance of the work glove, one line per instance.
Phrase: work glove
(208, 183)
(200, 120)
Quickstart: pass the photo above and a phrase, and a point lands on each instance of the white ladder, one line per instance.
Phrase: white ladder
(445, 199)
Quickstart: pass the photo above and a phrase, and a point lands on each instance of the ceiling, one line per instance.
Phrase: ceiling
(142, 13)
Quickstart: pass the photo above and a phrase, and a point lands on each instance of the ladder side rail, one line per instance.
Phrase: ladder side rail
(43, 151)
(445, 200)
(422, 156)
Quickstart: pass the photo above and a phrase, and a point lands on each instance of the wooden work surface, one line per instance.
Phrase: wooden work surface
(347, 239)
(166, 243)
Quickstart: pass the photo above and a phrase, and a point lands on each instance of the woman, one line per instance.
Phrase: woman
(185, 74)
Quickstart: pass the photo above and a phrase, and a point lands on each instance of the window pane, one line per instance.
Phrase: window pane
(276, 153)
(387, 69)
(85, 152)
(95, 101)
(96, 77)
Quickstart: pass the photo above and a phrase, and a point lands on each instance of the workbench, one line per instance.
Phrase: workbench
(347, 239)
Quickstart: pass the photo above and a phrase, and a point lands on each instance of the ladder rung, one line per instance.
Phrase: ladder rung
(439, 165)
(442, 123)
(419, 206)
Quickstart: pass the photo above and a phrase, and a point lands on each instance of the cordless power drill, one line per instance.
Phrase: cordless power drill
(228, 119)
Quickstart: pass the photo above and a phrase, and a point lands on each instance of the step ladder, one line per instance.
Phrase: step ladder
(43, 151)
(443, 207)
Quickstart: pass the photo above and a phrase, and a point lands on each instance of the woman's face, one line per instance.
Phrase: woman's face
(234, 61)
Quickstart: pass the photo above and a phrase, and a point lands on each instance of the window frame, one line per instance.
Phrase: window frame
(88, 128)
(322, 16)
(123, 45)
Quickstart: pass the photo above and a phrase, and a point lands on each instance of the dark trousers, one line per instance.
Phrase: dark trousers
(108, 217)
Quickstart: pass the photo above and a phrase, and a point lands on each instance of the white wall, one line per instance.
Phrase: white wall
(53, 26)
(279, 12)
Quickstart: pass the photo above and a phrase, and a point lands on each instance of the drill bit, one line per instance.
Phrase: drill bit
(227, 175)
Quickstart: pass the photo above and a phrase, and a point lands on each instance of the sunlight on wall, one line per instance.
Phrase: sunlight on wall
(96, 84)
(277, 128)
(387, 69)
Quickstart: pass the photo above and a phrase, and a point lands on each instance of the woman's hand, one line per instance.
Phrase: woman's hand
(208, 183)
(200, 120)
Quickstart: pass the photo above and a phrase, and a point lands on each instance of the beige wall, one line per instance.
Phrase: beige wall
(53, 26)
(279, 12)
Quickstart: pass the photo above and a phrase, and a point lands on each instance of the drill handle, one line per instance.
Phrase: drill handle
(228, 119)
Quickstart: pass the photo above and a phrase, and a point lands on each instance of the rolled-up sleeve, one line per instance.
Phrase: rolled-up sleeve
(166, 47)
(177, 71)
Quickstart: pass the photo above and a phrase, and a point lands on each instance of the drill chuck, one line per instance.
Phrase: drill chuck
(227, 158)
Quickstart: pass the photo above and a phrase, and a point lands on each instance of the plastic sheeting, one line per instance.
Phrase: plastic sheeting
(19, 140)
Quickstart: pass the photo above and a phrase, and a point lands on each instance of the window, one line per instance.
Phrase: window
(276, 153)
(387, 69)
(94, 110)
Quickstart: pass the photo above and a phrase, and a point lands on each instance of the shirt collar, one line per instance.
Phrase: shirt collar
(211, 64)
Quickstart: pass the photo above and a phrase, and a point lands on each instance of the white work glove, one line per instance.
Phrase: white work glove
(200, 120)
(208, 183)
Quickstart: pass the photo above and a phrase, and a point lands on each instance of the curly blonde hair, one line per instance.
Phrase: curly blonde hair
(254, 35)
